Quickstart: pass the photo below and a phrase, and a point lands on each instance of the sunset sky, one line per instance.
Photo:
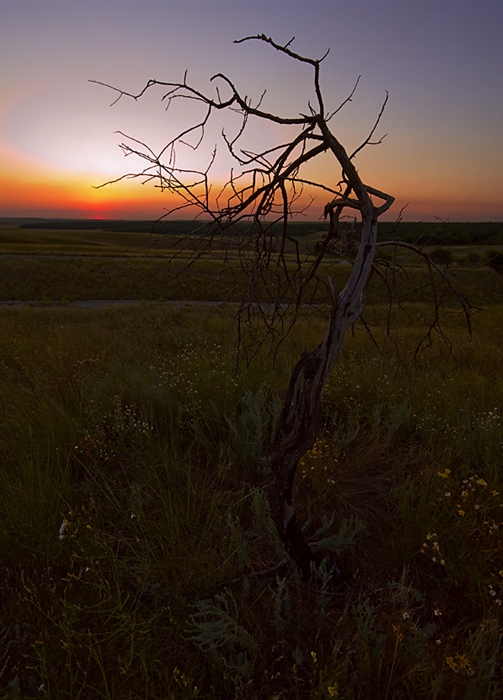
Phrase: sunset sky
(440, 60)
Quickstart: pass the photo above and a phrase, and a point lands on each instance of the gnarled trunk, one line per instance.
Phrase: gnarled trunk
(299, 421)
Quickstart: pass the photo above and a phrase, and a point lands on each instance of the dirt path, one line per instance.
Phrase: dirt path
(84, 256)
(95, 303)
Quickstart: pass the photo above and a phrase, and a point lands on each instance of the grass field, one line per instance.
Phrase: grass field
(70, 278)
(65, 265)
(132, 491)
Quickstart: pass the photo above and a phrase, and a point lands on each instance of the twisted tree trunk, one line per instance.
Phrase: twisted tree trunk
(299, 421)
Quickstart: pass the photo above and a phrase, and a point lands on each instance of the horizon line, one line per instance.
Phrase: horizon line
(436, 220)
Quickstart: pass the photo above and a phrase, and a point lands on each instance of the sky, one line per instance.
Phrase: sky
(440, 60)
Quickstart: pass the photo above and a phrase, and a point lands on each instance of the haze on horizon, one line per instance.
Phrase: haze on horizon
(440, 61)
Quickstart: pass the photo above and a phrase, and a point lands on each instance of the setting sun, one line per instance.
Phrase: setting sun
(441, 153)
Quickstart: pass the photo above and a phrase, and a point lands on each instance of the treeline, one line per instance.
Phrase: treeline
(175, 227)
(444, 233)
(426, 233)
(116, 225)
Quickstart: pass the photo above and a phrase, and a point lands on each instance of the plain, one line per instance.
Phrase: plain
(133, 516)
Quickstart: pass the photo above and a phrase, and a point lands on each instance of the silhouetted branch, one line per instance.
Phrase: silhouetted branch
(262, 195)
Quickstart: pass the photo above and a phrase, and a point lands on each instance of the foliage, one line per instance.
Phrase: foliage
(445, 233)
(495, 260)
(126, 504)
(441, 256)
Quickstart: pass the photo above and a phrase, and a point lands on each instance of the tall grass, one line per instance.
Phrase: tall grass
(133, 514)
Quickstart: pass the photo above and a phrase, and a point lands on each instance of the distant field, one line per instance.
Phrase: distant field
(122, 238)
(120, 264)
(98, 277)
(95, 243)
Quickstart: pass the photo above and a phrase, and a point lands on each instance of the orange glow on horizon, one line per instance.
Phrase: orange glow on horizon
(38, 194)
(30, 189)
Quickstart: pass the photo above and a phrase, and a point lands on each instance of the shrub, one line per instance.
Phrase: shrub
(441, 256)
(494, 259)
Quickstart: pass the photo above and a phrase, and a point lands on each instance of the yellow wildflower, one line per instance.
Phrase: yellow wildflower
(451, 663)
(462, 661)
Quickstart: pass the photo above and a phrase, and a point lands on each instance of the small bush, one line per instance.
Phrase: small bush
(495, 261)
(442, 256)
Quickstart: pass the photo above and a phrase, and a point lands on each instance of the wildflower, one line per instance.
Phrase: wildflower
(406, 615)
(62, 530)
(482, 482)
(399, 634)
(333, 691)
(462, 661)
(451, 663)
(314, 657)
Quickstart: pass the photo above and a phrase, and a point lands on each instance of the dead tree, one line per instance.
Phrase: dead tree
(259, 200)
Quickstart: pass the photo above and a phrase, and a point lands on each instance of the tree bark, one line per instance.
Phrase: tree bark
(299, 421)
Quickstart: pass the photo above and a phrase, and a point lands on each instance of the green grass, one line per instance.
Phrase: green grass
(109, 243)
(68, 279)
(90, 243)
(131, 488)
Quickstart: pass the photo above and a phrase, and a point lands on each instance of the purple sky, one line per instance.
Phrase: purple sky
(441, 61)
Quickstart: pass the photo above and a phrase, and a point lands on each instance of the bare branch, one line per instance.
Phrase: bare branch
(264, 191)
(367, 140)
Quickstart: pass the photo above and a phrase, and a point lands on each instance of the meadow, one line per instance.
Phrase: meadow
(133, 511)
(60, 266)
